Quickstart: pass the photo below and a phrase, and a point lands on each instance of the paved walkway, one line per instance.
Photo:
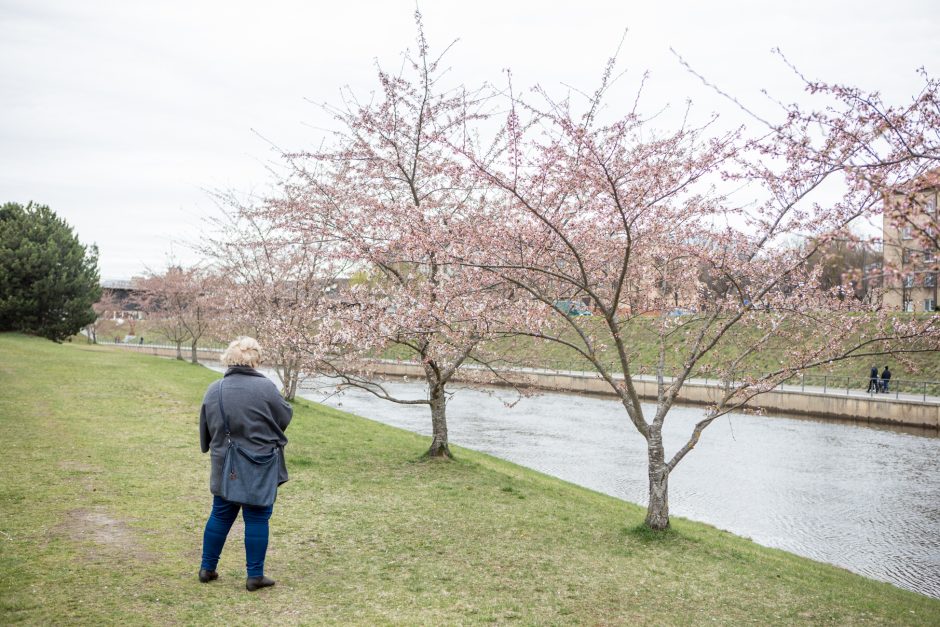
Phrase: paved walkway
(834, 386)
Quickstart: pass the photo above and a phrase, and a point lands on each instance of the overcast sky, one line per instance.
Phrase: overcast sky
(121, 114)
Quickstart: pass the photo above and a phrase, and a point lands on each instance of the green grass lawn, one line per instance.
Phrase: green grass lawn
(104, 497)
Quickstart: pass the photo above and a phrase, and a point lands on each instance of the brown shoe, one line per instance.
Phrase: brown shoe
(256, 583)
(205, 576)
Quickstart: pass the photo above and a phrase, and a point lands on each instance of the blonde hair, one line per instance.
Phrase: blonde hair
(243, 351)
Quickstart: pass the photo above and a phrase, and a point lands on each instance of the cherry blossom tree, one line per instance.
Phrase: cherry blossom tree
(107, 304)
(182, 303)
(891, 148)
(683, 234)
(634, 218)
(274, 285)
(387, 194)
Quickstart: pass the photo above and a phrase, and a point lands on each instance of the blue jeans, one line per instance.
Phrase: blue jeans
(220, 522)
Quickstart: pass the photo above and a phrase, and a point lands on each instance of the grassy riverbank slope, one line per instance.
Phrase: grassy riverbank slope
(641, 341)
(103, 500)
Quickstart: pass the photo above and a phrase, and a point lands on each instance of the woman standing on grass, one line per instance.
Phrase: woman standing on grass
(246, 408)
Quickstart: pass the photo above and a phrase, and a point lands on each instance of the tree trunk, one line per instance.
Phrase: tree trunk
(193, 357)
(179, 351)
(657, 512)
(289, 382)
(439, 447)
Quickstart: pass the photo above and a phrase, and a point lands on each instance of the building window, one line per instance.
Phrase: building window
(932, 205)
(930, 304)
(909, 280)
(905, 256)
(908, 306)
(906, 233)
(930, 280)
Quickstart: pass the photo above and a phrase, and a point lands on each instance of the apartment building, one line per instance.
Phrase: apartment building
(911, 253)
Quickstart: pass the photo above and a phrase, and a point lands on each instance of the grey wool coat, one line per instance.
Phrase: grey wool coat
(257, 416)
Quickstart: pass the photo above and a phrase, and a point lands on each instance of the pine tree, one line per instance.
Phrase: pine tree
(48, 279)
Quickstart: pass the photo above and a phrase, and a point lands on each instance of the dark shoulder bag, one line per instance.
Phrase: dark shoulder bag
(247, 478)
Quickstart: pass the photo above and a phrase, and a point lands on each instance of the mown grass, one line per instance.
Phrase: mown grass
(104, 497)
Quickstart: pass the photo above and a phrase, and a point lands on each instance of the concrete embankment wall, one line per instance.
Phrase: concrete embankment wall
(898, 412)
(871, 409)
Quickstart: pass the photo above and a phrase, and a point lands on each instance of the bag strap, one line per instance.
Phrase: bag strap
(228, 432)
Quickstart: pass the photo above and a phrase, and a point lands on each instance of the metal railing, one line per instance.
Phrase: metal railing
(185, 347)
(896, 387)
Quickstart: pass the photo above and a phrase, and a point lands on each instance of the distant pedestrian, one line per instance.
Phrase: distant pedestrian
(141, 342)
(873, 380)
(885, 380)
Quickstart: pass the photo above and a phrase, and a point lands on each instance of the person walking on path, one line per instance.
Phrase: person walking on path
(873, 380)
(257, 417)
(885, 380)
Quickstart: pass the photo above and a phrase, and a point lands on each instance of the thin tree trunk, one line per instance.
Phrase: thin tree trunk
(179, 351)
(657, 512)
(289, 377)
(292, 389)
(193, 356)
(439, 447)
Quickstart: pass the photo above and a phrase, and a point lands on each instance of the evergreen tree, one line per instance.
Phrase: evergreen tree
(48, 279)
